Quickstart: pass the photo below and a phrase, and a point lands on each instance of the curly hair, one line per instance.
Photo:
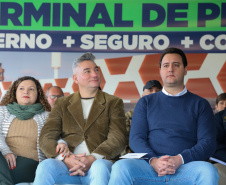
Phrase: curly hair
(10, 95)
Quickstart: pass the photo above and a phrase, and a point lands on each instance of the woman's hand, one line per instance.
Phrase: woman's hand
(11, 160)
(63, 149)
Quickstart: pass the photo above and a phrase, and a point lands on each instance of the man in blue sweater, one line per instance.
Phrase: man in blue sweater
(176, 130)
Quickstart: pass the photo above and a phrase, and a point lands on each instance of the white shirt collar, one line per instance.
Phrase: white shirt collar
(178, 94)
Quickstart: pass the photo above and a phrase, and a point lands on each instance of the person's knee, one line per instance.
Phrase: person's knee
(123, 166)
(211, 170)
(46, 166)
(207, 170)
(124, 163)
(101, 165)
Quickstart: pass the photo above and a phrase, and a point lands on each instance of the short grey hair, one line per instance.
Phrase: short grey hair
(85, 56)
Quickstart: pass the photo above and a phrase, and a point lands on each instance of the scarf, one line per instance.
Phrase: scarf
(25, 112)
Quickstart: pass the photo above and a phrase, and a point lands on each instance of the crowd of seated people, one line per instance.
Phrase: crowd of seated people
(75, 139)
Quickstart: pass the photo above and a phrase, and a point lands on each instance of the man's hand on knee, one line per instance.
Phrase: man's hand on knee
(160, 165)
(88, 161)
(77, 172)
(75, 165)
(83, 164)
(175, 161)
(165, 165)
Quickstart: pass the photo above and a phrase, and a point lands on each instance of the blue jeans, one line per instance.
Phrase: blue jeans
(138, 171)
(52, 171)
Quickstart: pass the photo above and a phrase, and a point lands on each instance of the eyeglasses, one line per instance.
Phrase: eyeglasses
(55, 96)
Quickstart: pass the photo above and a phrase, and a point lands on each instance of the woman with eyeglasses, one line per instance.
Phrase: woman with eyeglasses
(23, 112)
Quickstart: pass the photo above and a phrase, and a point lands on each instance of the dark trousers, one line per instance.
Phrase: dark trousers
(24, 171)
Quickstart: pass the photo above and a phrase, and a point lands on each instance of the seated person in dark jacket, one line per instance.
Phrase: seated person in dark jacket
(220, 121)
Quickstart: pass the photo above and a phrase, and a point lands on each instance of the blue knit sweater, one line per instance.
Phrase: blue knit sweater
(169, 125)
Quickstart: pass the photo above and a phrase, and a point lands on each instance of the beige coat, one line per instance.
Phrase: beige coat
(104, 131)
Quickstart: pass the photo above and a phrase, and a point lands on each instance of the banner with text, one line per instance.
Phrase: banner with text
(113, 26)
(42, 38)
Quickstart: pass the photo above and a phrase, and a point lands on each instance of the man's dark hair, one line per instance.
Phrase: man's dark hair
(176, 51)
(220, 97)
